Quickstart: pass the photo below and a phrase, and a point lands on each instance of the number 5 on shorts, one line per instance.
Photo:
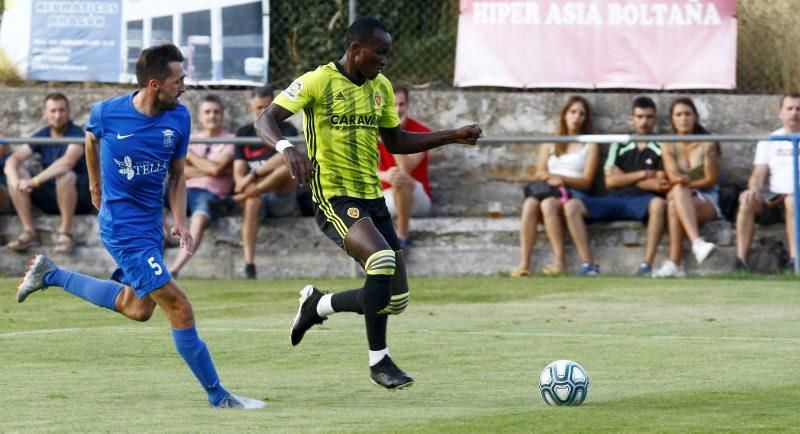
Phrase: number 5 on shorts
(154, 265)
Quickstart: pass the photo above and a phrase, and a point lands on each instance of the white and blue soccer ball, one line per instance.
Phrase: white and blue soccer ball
(564, 382)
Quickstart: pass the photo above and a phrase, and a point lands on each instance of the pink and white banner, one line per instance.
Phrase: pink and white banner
(642, 44)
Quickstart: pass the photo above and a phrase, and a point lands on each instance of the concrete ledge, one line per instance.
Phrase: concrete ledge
(443, 246)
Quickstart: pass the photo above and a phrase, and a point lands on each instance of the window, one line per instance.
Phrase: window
(242, 37)
(135, 44)
(161, 30)
(196, 35)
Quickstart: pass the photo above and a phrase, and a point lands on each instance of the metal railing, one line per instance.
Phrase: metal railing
(498, 140)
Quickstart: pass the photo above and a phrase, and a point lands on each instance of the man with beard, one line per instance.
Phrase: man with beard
(133, 143)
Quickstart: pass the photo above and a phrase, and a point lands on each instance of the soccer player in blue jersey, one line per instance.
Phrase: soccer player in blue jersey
(142, 138)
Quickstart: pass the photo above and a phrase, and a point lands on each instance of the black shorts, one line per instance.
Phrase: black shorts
(45, 197)
(771, 215)
(337, 215)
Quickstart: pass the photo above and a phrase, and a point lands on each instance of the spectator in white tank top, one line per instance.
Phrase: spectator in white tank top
(571, 167)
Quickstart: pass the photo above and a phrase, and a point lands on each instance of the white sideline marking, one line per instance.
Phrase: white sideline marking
(423, 331)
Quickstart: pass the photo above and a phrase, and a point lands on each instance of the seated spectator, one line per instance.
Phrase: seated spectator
(569, 166)
(5, 204)
(404, 178)
(208, 175)
(773, 159)
(62, 187)
(692, 168)
(634, 170)
(261, 180)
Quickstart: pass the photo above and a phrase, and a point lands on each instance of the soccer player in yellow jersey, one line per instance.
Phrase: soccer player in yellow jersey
(345, 104)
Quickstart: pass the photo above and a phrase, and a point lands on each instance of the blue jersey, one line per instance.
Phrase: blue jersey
(135, 156)
(51, 153)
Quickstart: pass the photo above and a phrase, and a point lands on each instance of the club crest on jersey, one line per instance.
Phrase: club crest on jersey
(353, 212)
(169, 138)
(378, 98)
(294, 89)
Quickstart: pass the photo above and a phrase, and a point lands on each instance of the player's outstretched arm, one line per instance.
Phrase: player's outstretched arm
(267, 129)
(93, 167)
(177, 203)
(398, 141)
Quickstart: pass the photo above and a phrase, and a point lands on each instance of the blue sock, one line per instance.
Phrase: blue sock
(100, 292)
(195, 352)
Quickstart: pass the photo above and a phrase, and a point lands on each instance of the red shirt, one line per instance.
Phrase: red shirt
(420, 173)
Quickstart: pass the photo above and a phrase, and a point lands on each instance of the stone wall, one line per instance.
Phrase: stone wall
(465, 178)
(443, 246)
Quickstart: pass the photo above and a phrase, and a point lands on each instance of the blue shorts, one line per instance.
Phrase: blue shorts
(711, 196)
(276, 205)
(618, 206)
(141, 266)
(203, 202)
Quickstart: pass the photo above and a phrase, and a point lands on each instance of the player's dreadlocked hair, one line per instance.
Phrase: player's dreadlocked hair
(154, 62)
(362, 29)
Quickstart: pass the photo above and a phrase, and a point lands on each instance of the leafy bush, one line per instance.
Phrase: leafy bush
(8, 71)
(769, 47)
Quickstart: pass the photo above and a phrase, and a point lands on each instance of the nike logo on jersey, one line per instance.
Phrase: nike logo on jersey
(120, 136)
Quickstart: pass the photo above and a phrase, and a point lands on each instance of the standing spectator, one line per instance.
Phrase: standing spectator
(62, 187)
(208, 175)
(634, 170)
(692, 168)
(773, 159)
(261, 180)
(404, 178)
(570, 166)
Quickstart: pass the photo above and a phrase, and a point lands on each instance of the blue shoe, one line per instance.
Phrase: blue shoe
(589, 270)
(405, 243)
(644, 270)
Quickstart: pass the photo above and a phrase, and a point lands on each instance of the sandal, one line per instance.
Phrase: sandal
(552, 269)
(24, 241)
(520, 272)
(65, 244)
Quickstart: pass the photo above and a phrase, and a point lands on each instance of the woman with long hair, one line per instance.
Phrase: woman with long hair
(693, 169)
(569, 168)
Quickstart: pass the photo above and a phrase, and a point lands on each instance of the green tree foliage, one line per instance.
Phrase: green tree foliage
(769, 46)
(308, 33)
(304, 34)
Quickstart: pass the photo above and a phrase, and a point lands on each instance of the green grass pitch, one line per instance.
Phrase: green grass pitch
(662, 355)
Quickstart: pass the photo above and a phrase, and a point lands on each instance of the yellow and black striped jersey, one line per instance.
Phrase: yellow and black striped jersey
(341, 121)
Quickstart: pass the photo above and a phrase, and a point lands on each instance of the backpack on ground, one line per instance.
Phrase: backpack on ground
(769, 256)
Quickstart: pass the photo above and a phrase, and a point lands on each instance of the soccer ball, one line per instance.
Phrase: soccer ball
(564, 382)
